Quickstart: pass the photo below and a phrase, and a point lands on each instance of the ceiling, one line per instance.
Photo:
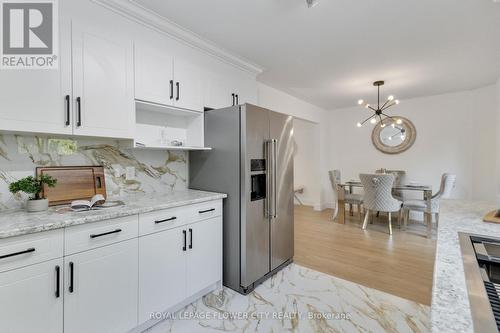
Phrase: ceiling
(329, 55)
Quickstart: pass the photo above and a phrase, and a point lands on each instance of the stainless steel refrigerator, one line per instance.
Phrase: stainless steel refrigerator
(251, 161)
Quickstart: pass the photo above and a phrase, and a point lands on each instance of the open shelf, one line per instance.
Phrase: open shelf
(161, 127)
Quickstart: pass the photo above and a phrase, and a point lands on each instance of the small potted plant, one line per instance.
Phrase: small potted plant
(33, 186)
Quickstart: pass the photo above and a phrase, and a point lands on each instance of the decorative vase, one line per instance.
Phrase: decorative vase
(39, 205)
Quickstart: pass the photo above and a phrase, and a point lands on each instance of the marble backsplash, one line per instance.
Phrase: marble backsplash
(155, 171)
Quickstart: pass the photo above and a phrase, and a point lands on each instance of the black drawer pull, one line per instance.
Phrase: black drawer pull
(184, 234)
(166, 220)
(177, 84)
(190, 238)
(106, 233)
(171, 89)
(206, 211)
(71, 276)
(58, 281)
(32, 249)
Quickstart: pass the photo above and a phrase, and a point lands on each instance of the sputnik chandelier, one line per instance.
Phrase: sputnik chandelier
(378, 112)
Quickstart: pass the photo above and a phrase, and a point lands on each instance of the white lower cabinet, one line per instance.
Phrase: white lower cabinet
(204, 254)
(106, 278)
(29, 299)
(178, 263)
(162, 272)
(101, 289)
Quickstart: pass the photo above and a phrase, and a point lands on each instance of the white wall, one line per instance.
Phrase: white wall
(306, 161)
(279, 101)
(455, 133)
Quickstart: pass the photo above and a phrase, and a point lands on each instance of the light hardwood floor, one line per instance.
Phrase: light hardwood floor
(401, 265)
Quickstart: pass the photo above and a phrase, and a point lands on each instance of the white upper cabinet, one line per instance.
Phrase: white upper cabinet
(188, 85)
(165, 79)
(103, 87)
(154, 75)
(34, 100)
(218, 92)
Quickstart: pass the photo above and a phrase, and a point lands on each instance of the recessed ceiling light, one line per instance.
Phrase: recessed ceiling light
(312, 3)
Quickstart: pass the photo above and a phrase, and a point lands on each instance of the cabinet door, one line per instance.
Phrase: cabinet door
(35, 100)
(101, 289)
(204, 259)
(188, 85)
(217, 91)
(162, 272)
(153, 75)
(102, 83)
(29, 302)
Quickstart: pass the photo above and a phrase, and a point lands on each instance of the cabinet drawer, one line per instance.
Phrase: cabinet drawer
(90, 236)
(162, 220)
(205, 210)
(30, 249)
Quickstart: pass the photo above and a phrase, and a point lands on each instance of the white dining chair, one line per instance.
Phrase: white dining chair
(378, 196)
(349, 198)
(447, 185)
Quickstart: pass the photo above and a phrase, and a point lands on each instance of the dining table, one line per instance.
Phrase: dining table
(349, 186)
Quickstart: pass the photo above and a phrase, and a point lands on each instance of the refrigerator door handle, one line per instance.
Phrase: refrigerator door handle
(271, 197)
(274, 144)
(267, 154)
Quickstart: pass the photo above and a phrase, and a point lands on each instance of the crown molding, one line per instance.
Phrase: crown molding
(146, 17)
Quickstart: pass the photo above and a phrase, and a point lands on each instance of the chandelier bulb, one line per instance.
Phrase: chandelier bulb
(399, 121)
(396, 101)
(360, 102)
(359, 124)
(373, 121)
(367, 105)
(390, 98)
(382, 125)
(393, 125)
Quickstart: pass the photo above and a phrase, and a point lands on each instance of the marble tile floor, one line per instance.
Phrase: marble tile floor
(299, 299)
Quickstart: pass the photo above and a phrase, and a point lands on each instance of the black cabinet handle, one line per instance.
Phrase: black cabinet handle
(67, 110)
(190, 238)
(233, 95)
(171, 89)
(32, 249)
(165, 220)
(58, 281)
(79, 111)
(177, 84)
(206, 211)
(106, 233)
(71, 276)
(184, 234)
(237, 99)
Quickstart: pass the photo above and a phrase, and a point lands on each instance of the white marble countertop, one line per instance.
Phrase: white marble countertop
(450, 310)
(18, 222)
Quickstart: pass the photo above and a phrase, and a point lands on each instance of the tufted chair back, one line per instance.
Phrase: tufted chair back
(378, 192)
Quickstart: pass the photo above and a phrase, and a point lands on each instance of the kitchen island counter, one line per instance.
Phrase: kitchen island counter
(450, 310)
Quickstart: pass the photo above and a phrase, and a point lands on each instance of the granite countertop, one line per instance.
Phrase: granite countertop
(450, 310)
(19, 222)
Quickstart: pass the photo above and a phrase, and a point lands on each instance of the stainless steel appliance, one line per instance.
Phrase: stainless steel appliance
(481, 257)
(251, 161)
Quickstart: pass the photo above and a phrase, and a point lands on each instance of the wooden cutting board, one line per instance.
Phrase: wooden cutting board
(492, 217)
(73, 183)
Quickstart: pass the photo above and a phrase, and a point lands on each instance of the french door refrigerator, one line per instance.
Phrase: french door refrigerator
(252, 161)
